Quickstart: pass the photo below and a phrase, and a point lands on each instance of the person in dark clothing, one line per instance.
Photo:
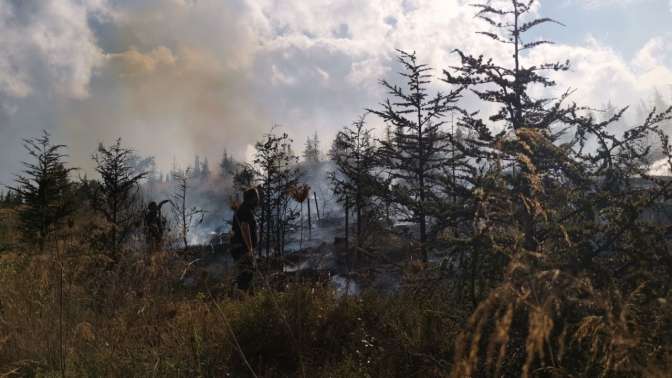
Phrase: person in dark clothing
(244, 238)
(155, 225)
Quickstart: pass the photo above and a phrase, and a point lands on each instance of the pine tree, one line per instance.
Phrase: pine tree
(205, 169)
(277, 171)
(419, 144)
(311, 152)
(243, 177)
(354, 153)
(196, 169)
(554, 171)
(525, 141)
(116, 197)
(560, 201)
(227, 166)
(44, 189)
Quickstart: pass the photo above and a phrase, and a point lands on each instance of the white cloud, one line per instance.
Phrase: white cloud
(48, 45)
(186, 76)
(353, 45)
(298, 35)
(653, 62)
(600, 75)
(607, 3)
(657, 51)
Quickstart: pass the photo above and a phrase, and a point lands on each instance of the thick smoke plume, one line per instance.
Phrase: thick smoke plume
(178, 78)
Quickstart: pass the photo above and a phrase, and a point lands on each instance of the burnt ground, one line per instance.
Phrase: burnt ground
(320, 258)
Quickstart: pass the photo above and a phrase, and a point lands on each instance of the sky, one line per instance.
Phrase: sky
(175, 78)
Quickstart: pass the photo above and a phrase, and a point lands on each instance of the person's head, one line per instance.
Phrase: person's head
(251, 197)
(152, 207)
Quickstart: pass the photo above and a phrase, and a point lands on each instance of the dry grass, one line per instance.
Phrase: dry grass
(550, 323)
(8, 236)
(134, 318)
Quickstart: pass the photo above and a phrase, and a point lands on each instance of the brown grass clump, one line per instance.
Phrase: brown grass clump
(551, 323)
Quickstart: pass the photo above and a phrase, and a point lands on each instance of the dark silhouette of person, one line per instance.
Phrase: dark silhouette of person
(244, 238)
(155, 225)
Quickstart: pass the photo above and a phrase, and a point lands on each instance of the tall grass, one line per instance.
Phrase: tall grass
(133, 318)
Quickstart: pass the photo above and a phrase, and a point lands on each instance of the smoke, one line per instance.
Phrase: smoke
(176, 78)
(170, 88)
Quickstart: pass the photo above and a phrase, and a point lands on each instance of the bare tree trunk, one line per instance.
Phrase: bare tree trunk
(184, 216)
(317, 206)
(278, 229)
(347, 226)
(358, 205)
(262, 225)
(310, 225)
(268, 223)
(114, 229)
(421, 177)
(283, 230)
(60, 313)
(474, 269)
(460, 286)
(301, 239)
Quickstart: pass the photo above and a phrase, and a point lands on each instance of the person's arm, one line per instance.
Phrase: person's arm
(247, 237)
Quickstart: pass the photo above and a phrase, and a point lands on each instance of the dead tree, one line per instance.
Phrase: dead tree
(186, 215)
(317, 206)
(300, 194)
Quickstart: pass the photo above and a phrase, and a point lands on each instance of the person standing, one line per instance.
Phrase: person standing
(155, 226)
(244, 238)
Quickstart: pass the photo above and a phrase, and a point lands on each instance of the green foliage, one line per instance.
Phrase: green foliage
(277, 171)
(557, 224)
(116, 196)
(418, 148)
(243, 177)
(44, 189)
(354, 182)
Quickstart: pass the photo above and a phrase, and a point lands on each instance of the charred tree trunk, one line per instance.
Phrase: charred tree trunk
(317, 206)
(421, 186)
(358, 205)
(278, 229)
(268, 227)
(347, 226)
(310, 225)
(301, 237)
